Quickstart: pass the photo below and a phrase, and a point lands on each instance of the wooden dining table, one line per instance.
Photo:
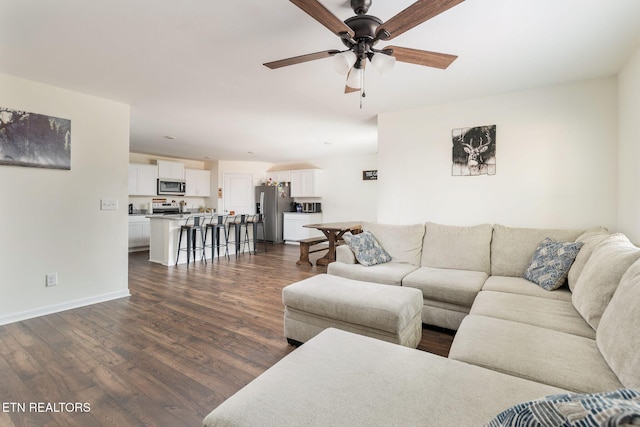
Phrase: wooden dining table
(334, 231)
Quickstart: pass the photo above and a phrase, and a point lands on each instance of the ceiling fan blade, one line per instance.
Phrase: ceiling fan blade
(414, 15)
(321, 14)
(422, 57)
(348, 89)
(299, 59)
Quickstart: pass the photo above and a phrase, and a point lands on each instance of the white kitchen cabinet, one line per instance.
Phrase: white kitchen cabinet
(139, 233)
(294, 230)
(305, 183)
(170, 170)
(279, 176)
(142, 179)
(198, 182)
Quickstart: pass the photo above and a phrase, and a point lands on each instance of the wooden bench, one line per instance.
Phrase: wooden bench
(305, 249)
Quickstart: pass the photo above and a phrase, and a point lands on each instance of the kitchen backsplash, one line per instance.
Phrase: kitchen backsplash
(193, 203)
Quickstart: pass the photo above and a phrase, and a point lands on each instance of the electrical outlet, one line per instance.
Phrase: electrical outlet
(108, 205)
(52, 279)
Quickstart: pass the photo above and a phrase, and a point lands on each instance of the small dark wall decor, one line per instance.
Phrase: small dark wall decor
(370, 175)
(474, 151)
(34, 140)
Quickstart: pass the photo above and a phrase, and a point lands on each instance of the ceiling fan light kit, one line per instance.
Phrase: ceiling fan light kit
(361, 32)
(343, 61)
(354, 79)
(383, 63)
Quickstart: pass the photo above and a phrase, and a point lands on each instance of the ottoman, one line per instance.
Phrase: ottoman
(387, 312)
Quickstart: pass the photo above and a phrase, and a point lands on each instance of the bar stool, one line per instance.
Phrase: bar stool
(217, 228)
(258, 220)
(237, 233)
(191, 230)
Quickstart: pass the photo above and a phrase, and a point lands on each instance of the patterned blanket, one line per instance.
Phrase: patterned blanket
(612, 409)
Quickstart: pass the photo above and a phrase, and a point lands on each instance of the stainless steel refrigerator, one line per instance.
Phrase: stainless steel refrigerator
(272, 202)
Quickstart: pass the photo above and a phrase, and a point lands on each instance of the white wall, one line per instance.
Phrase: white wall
(51, 222)
(212, 166)
(629, 148)
(346, 196)
(556, 160)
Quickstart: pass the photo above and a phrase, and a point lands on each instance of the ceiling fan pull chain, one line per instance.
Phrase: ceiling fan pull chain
(362, 92)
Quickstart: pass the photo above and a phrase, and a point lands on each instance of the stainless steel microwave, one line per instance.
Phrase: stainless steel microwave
(171, 187)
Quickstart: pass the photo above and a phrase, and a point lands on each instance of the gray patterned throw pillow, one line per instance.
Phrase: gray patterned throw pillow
(366, 248)
(612, 409)
(551, 262)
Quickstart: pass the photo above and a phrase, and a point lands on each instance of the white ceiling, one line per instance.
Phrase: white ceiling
(192, 69)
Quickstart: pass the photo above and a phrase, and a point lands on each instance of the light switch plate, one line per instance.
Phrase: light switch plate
(52, 279)
(109, 205)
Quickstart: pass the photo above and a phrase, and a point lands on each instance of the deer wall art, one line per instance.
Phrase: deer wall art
(474, 151)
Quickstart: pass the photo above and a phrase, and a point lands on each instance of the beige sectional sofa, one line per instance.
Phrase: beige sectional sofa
(472, 280)
(342, 379)
(451, 264)
(515, 341)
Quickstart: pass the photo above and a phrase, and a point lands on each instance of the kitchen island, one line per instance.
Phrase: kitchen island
(165, 231)
(164, 234)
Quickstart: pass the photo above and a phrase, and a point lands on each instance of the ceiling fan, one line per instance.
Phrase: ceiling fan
(361, 32)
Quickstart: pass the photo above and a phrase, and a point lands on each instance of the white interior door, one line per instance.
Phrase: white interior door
(238, 193)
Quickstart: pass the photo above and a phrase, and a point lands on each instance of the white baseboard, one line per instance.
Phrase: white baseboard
(50, 309)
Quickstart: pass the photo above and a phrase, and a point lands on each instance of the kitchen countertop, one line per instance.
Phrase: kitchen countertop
(302, 213)
(177, 217)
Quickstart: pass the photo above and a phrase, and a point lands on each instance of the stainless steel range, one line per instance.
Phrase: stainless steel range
(165, 208)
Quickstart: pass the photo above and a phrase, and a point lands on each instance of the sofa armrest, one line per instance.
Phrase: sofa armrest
(345, 254)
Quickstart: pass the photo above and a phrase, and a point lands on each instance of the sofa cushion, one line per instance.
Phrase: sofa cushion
(342, 379)
(521, 286)
(459, 248)
(366, 248)
(512, 248)
(551, 262)
(617, 408)
(601, 275)
(452, 286)
(618, 334)
(345, 254)
(444, 315)
(402, 242)
(390, 273)
(590, 239)
(550, 357)
(543, 312)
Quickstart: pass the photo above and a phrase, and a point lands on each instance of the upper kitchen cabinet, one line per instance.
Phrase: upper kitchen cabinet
(278, 176)
(306, 183)
(171, 170)
(142, 179)
(198, 182)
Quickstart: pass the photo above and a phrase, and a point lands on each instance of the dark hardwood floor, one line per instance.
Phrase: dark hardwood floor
(186, 339)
